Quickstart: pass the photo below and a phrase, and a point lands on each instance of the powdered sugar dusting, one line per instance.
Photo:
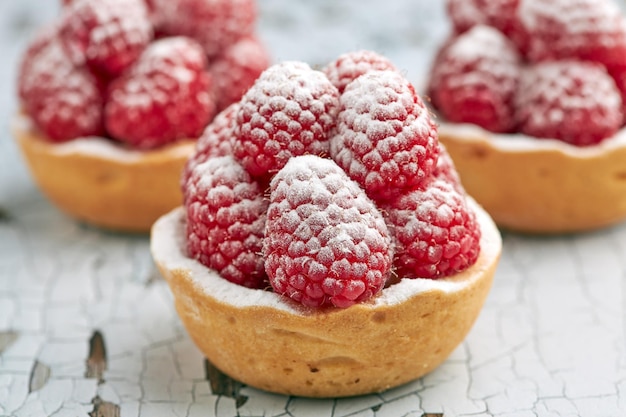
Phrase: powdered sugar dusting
(349, 66)
(475, 78)
(107, 35)
(518, 142)
(482, 42)
(104, 148)
(63, 100)
(491, 53)
(164, 96)
(384, 139)
(216, 24)
(573, 16)
(319, 218)
(168, 243)
(583, 29)
(576, 102)
(289, 111)
(236, 69)
(435, 232)
(226, 213)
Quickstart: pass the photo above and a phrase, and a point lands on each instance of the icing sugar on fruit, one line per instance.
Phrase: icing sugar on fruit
(114, 93)
(530, 101)
(324, 228)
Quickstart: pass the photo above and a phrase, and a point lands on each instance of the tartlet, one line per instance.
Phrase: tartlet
(530, 101)
(325, 247)
(113, 95)
(101, 183)
(540, 186)
(267, 341)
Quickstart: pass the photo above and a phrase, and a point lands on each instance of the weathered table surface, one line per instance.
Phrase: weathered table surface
(87, 324)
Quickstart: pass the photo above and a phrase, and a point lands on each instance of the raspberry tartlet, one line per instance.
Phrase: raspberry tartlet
(326, 247)
(530, 101)
(114, 94)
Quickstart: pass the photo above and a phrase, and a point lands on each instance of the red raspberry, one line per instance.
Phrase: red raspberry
(235, 70)
(149, 4)
(446, 171)
(106, 35)
(474, 80)
(385, 138)
(576, 102)
(64, 101)
(289, 111)
(217, 140)
(435, 232)
(325, 242)
(164, 96)
(42, 40)
(215, 24)
(226, 214)
(500, 14)
(618, 72)
(583, 29)
(348, 67)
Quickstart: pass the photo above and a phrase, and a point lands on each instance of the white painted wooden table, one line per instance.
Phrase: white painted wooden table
(88, 326)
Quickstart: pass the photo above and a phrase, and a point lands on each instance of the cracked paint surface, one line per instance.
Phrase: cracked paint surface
(87, 327)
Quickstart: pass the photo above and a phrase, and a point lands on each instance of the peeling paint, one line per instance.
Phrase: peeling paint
(39, 376)
(97, 360)
(104, 409)
(7, 338)
(222, 384)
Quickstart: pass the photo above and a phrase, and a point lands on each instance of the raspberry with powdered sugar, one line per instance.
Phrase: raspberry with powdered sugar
(289, 111)
(500, 14)
(108, 36)
(351, 65)
(225, 221)
(576, 102)
(235, 70)
(477, 75)
(475, 79)
(593, 30)
(326, 242)
(435, 233)
(63, 100)
(385, 138)
(163, 97)
(216, 140)
(146, 73)
(215, 24)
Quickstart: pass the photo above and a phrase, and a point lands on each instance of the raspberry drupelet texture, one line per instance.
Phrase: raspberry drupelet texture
(289, 111)
(106, 35)
(475, 78)
(235, 70)
(576, 102)
(500, 14)
(351, 65)
(592, 30)
(163, 97)
(446, 170)
(216, 140)
(618, 72)
(435, 232)
(215, 24)
(385, 138)
(325, 241)
(65, 102)
(226, 214)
